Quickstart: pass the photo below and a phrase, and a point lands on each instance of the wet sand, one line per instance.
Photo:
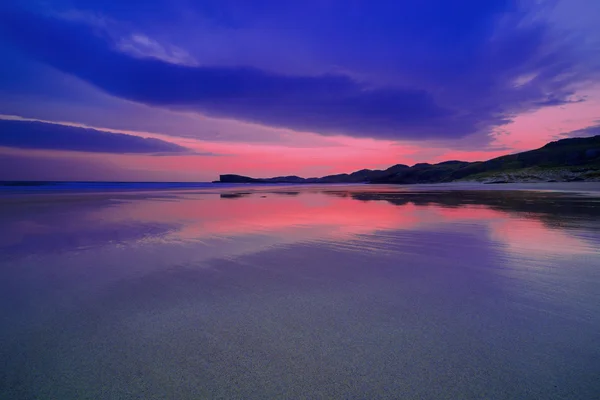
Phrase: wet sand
(328, 291)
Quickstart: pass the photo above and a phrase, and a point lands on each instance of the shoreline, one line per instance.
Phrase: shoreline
(14, 193)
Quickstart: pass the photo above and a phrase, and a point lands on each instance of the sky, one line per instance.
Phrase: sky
(184, 90)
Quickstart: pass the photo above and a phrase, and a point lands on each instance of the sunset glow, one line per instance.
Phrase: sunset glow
(320, 99)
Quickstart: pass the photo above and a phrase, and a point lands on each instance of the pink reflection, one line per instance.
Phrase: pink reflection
(531, 237)
(209, 215)
(308, 214)
(518, 233)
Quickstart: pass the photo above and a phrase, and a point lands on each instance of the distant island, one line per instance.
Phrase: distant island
(566, 160)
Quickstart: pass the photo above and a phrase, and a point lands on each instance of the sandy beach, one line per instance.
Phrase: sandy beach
(322, 291)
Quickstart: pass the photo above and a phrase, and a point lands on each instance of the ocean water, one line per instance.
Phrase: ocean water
(12, 187)
(314, 292)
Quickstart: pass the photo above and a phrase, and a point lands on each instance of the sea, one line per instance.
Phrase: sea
(114, 290)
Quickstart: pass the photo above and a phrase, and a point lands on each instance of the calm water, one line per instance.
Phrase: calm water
(300, 292)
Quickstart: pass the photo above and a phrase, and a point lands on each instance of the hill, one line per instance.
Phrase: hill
(575, 159)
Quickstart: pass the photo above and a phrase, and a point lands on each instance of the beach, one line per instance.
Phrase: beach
(446, 291)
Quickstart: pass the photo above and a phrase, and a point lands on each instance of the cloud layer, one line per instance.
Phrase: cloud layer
(40, 135)
(401, 70)
(592, 130)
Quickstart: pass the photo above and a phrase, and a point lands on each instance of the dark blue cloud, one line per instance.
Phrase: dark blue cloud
(557, 101)
(326, 104)
(593, 130)
(40, 135)
(432, 69)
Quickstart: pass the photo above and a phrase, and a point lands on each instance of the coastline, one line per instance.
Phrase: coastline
(231, 191)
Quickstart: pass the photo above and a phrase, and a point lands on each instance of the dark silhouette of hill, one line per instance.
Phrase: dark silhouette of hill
(575, 159)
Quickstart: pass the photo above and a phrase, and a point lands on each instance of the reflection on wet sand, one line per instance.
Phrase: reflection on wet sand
(513, 216)
(300, 292)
